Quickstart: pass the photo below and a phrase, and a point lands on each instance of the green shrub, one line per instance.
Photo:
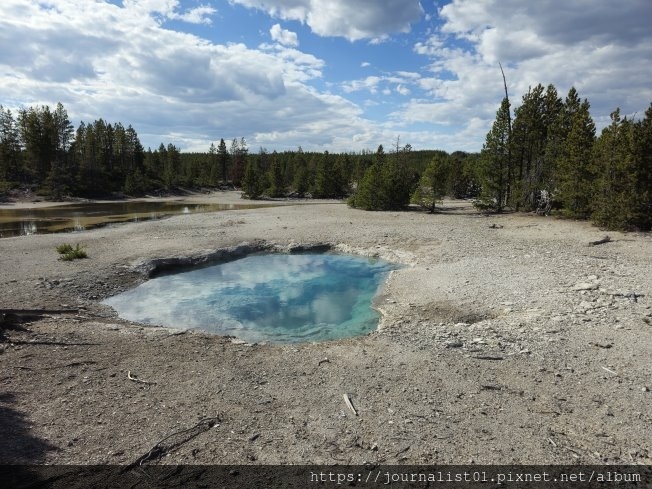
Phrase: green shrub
(68, 253)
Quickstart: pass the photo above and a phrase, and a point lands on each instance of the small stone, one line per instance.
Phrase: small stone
(645, 389)
(580, 286)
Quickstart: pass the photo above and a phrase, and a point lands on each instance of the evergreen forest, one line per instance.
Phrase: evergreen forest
(544, 157)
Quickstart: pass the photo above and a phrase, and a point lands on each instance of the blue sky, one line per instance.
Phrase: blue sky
(337, 75)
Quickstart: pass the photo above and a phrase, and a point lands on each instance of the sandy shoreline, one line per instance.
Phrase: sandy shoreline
(513, 343)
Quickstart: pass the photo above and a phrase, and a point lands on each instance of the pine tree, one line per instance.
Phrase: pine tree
(212, 165)
(575, 171)
(171, 167)
(370, 194)
(10, 157)
(528, 142)
(277, 185)
(251, 187)
(642, 214)
(301, 182)
(614, 180)
(61, 176)
(223, 160)
(239, 154)
(494, 170)
(328, 178)
(301, 174)
(624, 174)
(433, 183)
(396, 184)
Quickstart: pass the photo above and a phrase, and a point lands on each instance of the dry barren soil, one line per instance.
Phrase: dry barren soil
(504, 339)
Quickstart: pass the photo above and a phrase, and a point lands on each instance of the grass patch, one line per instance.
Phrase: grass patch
(68, 253)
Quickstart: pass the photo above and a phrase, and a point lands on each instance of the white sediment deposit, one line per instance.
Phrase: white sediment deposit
(505, 339)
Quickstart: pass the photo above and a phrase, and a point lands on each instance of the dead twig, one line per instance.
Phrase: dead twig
(606, 239)
(73, 364)
(486, 357)
(325, 360)
(183, 436)
(48, 343)
(135, 379)
(610, 371)
(348, 403)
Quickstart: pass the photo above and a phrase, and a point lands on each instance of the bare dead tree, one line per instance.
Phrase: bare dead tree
(509, 140)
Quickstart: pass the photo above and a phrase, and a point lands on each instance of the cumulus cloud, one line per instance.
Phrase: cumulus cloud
(398, 81)
(362, 19)
(118, 63)
(602, 48)
(169, 9)
(197, 15)
(283, 36)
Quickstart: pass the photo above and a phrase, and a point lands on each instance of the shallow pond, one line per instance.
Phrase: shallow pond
(78, 217)
(277, 298)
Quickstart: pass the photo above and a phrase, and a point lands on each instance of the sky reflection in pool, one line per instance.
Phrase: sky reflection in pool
(276, 298)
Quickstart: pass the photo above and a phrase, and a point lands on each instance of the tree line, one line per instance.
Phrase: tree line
(41, 149)
(546, 158)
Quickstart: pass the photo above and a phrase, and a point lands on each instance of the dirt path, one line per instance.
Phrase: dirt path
(505, 339)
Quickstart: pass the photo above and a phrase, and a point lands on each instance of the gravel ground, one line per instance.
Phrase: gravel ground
(504, 339)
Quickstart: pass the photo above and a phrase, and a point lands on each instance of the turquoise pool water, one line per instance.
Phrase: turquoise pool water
(276, 298)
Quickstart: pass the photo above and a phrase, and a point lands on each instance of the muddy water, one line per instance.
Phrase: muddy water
(79, 217)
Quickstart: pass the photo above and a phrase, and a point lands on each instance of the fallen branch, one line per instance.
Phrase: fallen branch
(161, 448)
(325, 360)
(135, 379)
(29, 312)
(488, 358)
(606, 239)
(348, 403)
(48, 343)
(610, 371)
(13, 317)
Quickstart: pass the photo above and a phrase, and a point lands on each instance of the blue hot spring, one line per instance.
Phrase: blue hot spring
(276, 298)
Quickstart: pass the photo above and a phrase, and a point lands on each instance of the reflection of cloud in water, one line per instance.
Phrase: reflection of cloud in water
(264, 297)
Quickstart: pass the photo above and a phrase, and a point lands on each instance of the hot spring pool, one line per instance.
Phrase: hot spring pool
(276, 298)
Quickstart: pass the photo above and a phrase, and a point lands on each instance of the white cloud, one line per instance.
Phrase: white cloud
(121, 64)
(399, 82)
(197, 15)
(362, 19)
(403, 90)
(168, 9)
(365, 64)
(283, 36)
(602, 48)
